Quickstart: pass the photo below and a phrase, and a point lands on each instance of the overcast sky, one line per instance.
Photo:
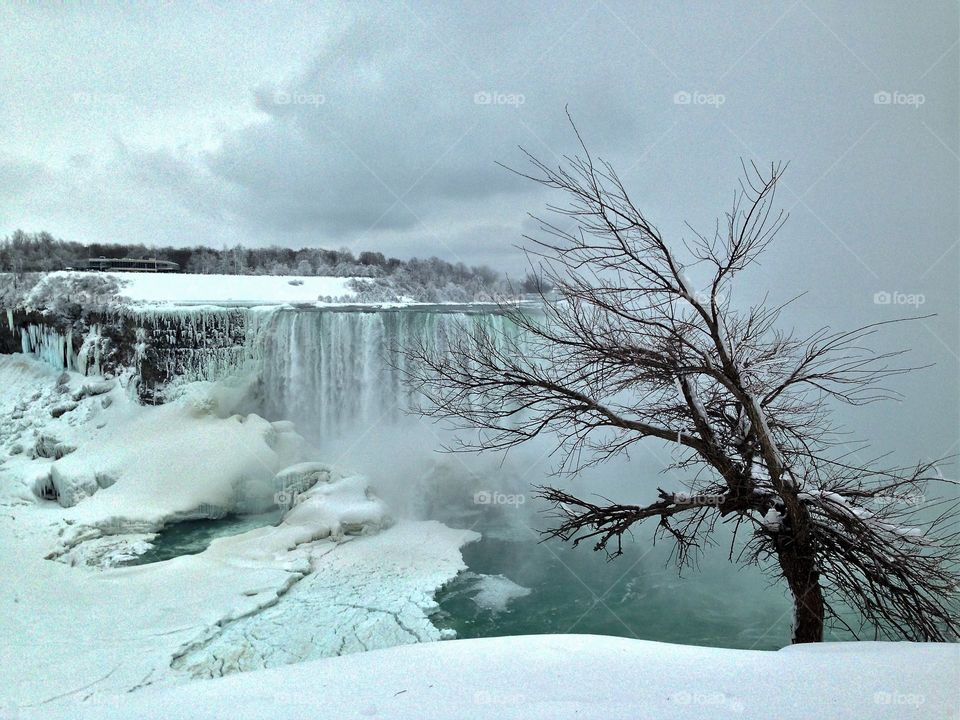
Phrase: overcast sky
(378, 126)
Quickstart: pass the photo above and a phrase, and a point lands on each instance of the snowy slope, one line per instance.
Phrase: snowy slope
(184, 289)
(573, 676)
(229, 289)
(92, 641)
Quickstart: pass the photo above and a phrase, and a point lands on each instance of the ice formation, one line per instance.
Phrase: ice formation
(329, 369)
(497, 591)
(91, 486)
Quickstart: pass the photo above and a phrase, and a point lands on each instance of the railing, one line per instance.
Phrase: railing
(132, 264)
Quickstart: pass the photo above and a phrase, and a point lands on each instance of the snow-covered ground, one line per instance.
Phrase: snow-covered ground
(75, 626)
(186, 289)
(231, 289)
(572, 676)
(296, 604)
(162, 291)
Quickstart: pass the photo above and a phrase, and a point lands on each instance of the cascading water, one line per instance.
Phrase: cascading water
(332, 371)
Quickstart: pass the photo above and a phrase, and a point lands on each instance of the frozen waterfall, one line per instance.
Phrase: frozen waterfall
(328, 369)
(331, 371)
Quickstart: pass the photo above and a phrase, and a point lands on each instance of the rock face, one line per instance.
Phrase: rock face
(188, 344)
(48, 446)
(159, 346)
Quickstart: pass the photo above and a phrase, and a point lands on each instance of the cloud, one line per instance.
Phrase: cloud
(19, 177)
(384, 125)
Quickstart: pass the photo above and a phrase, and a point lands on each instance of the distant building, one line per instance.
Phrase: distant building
(132, 265)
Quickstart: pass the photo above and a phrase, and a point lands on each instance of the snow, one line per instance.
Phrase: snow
(274, 622)
(186, 289)
(146, 464)
(496, 592)
(773, 520)
(571, 676)
(75, 625)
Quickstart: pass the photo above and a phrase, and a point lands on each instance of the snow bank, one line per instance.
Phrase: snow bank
(175, 460)
(574, 676)
(183, 289)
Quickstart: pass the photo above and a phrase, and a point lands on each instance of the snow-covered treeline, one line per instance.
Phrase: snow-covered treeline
(430, 279)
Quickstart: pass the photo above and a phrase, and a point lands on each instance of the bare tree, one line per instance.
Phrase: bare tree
(626, 349)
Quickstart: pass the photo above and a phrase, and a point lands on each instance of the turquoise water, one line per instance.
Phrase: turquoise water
(194, 536)
(579, 591)
(549, 587)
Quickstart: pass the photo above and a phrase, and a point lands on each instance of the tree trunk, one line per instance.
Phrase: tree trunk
(808, 611)
(799, 568)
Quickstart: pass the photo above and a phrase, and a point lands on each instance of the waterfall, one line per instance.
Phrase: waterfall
(330, 371)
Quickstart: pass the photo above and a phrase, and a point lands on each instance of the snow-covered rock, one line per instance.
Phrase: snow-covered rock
(94, 387)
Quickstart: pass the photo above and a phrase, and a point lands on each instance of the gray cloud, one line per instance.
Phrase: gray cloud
(379, 128)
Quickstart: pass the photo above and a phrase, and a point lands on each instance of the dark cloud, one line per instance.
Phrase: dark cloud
(379, 126)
